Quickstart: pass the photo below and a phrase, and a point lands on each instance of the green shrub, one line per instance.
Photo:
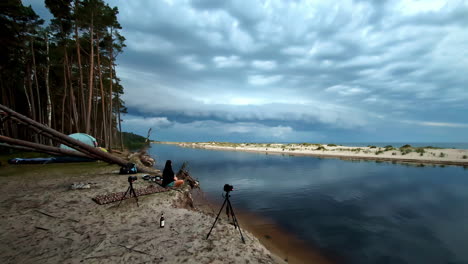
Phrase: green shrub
(405, 151)
(394, 153)
(406, 146)
(371, 146)
(379, 152)
(320, 148)
(420, 151)
(442, 155)
(389, 147)
(465, 157)
(332, 145)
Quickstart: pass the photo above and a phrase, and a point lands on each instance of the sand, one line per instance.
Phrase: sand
(414, 155)
(42, 221)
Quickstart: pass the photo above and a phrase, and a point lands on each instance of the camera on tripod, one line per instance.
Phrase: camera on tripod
(229, 211)
(228, 188)
(132, 178)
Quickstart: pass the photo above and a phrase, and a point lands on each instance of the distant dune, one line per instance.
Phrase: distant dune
(406, 154)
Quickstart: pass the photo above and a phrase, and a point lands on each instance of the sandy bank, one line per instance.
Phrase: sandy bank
(405, 155)
(44, 222)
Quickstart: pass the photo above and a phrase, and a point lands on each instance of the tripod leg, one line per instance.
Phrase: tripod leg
(216, 218)
(236, 223)
(135, 195)
(128, 190)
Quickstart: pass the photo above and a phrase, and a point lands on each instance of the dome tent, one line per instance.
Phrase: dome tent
(85, 138)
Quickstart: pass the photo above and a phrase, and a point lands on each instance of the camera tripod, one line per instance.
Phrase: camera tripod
(228, 210)
(130, 191)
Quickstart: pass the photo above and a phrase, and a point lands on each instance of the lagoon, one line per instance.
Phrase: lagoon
(363, 212)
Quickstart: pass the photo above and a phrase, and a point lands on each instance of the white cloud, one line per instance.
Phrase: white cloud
(263, 79)
(142, 42)
(264, 64)
(191, 62)
(228, 62)
(346, 91)
(436, 124)
(156, 122)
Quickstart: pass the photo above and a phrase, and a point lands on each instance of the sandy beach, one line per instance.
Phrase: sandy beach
(43, 221)
(403, 154)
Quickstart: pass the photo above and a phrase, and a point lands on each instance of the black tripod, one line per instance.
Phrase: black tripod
(228, 210)
(130, 191)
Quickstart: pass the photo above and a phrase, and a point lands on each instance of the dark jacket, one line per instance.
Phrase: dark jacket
(168, 174)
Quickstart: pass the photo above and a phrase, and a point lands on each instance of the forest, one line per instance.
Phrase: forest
(61, 72)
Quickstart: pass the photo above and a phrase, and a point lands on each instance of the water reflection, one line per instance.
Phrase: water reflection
(367, 212)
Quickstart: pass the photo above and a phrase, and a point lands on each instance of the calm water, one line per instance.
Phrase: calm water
(365, 212)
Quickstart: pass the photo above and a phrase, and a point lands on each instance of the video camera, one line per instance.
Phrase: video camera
(132, 178)
(228, 188)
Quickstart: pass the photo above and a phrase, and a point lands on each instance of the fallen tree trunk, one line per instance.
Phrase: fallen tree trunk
(42, 148)
(71, 142)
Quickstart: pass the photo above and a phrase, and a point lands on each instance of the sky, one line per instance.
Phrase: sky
(294, 71)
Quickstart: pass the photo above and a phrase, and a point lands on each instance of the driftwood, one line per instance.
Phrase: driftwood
(46, 131)
(183, 174)
(42, 148)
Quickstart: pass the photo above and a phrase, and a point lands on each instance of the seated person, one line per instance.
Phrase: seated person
(169, 178)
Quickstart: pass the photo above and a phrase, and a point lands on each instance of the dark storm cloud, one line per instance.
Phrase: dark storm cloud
(305, 68)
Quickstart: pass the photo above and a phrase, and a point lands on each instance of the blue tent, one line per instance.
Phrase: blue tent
(85, 138)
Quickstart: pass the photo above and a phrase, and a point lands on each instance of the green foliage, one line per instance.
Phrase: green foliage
(394, 153)
(332, 145)
(320, 148)
(379, 152)
(405, 146)
(405, 151)
(465, 157)
(420, 151)
(372, 147)
(442, 155)
(133, 141)
(389, 147)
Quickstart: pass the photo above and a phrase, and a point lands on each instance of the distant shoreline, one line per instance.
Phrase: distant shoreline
(405, 154)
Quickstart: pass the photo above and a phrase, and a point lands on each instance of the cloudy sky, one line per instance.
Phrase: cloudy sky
(284, 71)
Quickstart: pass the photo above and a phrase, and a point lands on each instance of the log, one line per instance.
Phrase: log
(28, 149)
(41, 148)
(71, 142)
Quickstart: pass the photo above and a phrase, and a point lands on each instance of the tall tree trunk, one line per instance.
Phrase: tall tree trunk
(95, 108)
(103, 101)
(65, 88)
(39, 108)
(73, 109)
(31, 95)
(49, 102)
(78, 54)
(120, 125)
(111, 79)
(91, 76)
(27, 97)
